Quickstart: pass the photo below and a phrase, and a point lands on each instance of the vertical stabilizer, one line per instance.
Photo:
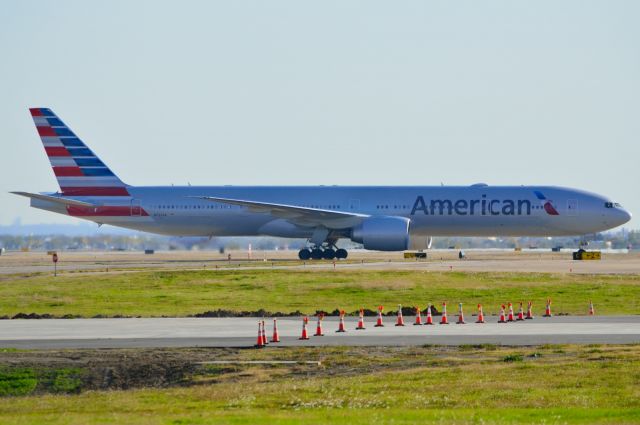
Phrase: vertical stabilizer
(78, 170)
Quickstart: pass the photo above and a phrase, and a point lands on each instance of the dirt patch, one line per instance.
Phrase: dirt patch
(406, 311)
(74, 371)
(110, 369)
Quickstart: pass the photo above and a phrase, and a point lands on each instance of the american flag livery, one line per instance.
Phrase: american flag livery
(78, 170)
(80, 173)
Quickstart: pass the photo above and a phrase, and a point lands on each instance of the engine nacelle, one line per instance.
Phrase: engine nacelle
(383, 233)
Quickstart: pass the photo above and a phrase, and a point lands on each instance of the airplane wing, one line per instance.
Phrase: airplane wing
(301, 216)
(56, 199)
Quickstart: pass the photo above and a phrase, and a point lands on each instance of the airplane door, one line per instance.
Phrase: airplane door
(572, 207)
(354, 204)
(136, 209)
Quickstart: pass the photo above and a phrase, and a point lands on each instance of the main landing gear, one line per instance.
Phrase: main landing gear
(322, 253)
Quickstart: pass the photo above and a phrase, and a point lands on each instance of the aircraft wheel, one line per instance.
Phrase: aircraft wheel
(329, 254)
(316, 254)
(304, 254)
(341, 253)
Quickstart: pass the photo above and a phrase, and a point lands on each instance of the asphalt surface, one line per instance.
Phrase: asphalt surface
(242, 332)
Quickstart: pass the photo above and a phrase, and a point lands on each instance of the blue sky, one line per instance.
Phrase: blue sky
(358, 92)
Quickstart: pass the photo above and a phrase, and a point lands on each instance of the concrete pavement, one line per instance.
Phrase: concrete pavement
(242, 332)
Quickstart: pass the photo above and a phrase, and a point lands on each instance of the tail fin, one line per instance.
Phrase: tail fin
(78, 170)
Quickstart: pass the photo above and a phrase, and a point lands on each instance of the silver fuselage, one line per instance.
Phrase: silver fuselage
(477, 210)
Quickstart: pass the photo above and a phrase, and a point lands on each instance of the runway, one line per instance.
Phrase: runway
(439, 260)
(242, 332)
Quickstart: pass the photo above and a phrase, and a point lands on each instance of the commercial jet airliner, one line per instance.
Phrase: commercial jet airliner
(384, 218)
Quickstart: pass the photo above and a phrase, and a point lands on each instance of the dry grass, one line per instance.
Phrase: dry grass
(181, 293)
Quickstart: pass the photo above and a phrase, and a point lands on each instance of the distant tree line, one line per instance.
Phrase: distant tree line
(139, 242)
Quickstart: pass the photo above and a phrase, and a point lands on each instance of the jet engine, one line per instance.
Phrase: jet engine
(383, 233)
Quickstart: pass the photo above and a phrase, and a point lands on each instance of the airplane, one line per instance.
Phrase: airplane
(383, 218)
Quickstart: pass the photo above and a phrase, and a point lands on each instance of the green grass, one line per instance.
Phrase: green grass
(180, 293)
(65, 381)
(513, 358)
(15, 382)
(404, 385)
(24, 381)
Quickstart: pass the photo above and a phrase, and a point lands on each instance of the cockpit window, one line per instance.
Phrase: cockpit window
(612, 205)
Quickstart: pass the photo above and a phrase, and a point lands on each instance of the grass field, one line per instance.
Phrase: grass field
(464, 385)
(355, 385)
(181, 293)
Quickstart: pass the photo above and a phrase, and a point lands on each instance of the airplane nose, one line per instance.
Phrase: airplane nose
(622, 216)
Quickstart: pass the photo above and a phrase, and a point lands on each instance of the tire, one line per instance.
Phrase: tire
(329, 254)
(316, 254)
(341, 253)
(304, 254)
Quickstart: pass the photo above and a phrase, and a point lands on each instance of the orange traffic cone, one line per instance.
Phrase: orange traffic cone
(319, 326)
(379, 321)
(520, 313)
(591, 310)
(276, 335)
(341, 325)
(305, 335)
(360, 320)
(502, 318)
(510, 317)
(400, 319)
(444, 320)
(460, 315)
(480, 314)
(529, 311)
(259, 342)
(547, 311)
(429, 316)
(264, 334)
(418, 317)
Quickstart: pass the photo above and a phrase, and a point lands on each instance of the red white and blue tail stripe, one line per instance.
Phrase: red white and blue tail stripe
(78, 170)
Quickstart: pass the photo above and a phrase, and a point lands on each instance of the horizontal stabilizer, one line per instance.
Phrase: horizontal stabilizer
(56, 199)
